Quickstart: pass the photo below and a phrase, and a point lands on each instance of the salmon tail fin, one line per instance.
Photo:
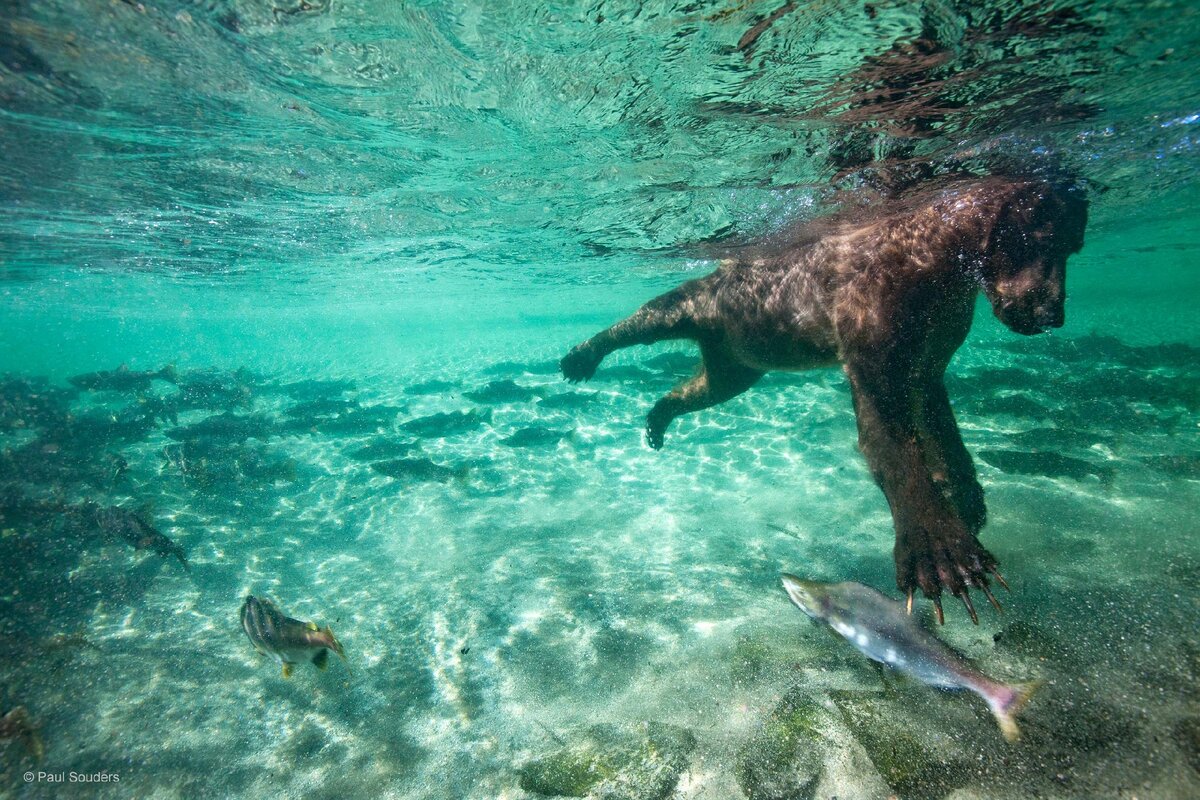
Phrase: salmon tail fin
(337, 647)
(1007, 702)
(334, 644)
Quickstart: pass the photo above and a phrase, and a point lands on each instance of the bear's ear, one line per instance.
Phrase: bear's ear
(1013, 212)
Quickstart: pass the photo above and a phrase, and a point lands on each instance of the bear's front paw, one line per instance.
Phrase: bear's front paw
(579, 364)
(968, 500)
(971, 506)
(950, 560)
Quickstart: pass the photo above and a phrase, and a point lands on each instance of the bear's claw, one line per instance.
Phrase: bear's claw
(937, 564)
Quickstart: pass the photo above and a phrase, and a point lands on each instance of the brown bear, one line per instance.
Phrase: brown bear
(889, 292)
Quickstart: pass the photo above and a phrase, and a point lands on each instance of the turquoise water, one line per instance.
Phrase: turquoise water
(338, 203)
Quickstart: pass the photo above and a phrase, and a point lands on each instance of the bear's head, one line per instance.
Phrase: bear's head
(1023, 256)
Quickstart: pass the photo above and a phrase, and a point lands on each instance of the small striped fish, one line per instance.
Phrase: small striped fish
(289, 641)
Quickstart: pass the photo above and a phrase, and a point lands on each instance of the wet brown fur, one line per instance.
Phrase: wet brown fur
(888, 292)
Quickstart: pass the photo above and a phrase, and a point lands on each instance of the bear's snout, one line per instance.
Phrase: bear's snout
(1029, 316)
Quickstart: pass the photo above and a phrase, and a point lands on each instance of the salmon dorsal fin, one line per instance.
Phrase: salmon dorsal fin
(312, 626)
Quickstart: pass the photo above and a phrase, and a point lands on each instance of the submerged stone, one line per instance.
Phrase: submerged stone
(614, 763)
(1187, 736)
(915, 763)
(784, 759)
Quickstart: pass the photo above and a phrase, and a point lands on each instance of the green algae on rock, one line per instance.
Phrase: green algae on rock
(1187, 736)
(912, 762)
(784, 759)
(751, 658)
(613, 763)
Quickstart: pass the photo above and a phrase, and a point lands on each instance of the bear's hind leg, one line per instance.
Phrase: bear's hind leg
(721, 378)
(668, 316)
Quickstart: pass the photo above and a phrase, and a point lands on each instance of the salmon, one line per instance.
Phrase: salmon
(879, 628)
